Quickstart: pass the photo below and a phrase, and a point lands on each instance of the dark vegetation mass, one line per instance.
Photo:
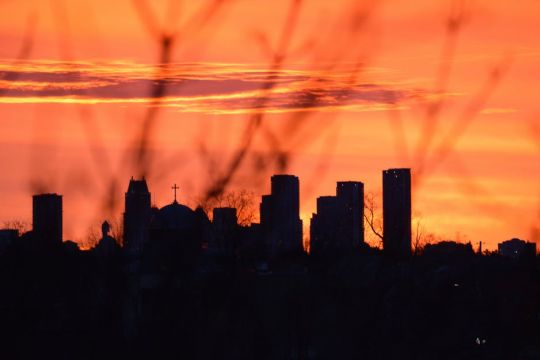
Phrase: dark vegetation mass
(443, 304)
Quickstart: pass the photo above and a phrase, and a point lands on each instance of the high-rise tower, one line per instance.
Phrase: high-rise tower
(397, 212)
(280, 216)
(338, 225)
(47, 219)
(350, 195)
(324, 226)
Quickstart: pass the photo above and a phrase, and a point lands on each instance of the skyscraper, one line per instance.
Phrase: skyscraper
(350, 195)
(324, 225)
(136, 216)
(397, 212)
(338, 225)
(47, 219)
(280, 216)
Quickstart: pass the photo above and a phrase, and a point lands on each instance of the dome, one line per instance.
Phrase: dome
(174, 216)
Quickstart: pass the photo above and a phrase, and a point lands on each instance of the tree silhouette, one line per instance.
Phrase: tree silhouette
(244, 201)
(19, 225)
(373, 216)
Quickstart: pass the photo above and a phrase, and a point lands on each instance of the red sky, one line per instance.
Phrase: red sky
(459, 78)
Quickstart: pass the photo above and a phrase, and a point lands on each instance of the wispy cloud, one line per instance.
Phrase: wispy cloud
(488, 111)
(197, 87)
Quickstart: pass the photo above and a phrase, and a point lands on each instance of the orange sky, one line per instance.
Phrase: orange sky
(76, 78)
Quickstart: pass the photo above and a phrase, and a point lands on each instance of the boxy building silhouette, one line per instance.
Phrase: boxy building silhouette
(350, 195)
(397, 212)
(47, 219)
(338, 224)
(323, 227)
(280, 216)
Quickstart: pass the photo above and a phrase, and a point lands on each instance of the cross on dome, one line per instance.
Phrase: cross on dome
(175, 187)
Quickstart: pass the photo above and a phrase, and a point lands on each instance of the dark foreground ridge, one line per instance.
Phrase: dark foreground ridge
(184, 287)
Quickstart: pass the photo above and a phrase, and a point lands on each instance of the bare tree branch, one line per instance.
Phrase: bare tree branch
(369, 215)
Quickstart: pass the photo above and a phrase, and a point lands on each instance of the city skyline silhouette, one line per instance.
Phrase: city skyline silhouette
(151, 292)
(338, 225)
(368, 203)
(225, 179)
(86, 104)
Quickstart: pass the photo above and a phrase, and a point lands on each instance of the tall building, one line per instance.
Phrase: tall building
(338, 224)
(47, 219)
(280, 216)
(136, 216)
(323, 226)
(350, 195)
(397, 212)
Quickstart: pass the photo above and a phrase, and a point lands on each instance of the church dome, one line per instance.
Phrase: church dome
(174, 216)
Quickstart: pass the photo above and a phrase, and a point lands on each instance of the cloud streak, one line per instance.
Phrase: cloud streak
(197, 87)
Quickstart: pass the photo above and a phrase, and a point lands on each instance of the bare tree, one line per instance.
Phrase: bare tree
(373, 216)
(117, 230)
(417, 238)
(19, 225)
(420, 237)
(243, 201)
(92, 238)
